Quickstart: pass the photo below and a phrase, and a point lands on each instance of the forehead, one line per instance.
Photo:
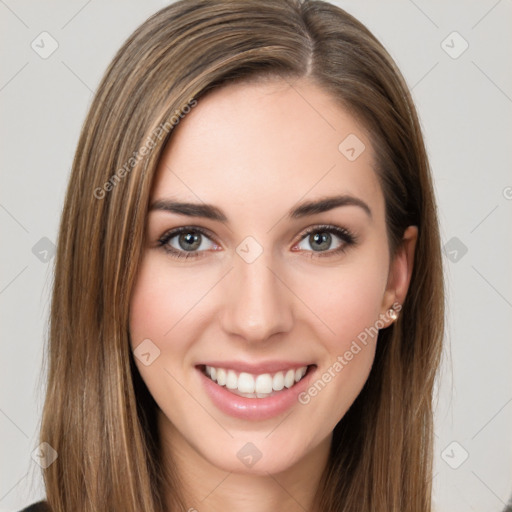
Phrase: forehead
(251, 145)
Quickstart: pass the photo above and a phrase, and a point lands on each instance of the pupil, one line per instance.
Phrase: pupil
(322, 240)
(193, 241)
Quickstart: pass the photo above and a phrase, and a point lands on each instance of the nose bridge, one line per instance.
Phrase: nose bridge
(257, 304)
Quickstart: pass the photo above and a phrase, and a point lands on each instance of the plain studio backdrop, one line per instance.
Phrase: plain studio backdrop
(456, 59)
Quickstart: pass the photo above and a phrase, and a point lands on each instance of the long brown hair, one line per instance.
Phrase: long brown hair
(98, 415)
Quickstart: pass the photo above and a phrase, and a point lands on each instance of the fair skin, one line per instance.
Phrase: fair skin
(255, 151)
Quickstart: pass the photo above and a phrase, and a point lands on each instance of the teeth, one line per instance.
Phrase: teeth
(278, 381)
(289, 378)
(263, 383)
(221, 376)
(246, 383)
(231, 380)
(255, 386)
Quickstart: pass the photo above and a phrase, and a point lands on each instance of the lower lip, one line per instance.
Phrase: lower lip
(255, 409)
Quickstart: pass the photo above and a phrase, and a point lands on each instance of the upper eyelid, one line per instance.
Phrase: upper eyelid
(326, 227)
(181, 229)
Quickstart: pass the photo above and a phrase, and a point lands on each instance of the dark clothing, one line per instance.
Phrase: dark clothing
(40, 506)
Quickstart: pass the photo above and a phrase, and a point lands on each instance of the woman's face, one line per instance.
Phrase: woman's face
(259, 283)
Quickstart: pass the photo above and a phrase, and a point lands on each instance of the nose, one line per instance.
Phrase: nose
(257, 304)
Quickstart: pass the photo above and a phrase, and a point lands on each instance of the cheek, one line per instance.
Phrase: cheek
(161, 297)
(350, 311)
(159, 304)
(347, 299)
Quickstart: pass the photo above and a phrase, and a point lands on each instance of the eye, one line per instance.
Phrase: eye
(190, 242)
(320, 240)
(186, 242)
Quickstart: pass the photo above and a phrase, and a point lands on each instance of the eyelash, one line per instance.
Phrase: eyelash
(347, 237)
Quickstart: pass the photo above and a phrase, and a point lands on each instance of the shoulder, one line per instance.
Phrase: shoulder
(40, 506)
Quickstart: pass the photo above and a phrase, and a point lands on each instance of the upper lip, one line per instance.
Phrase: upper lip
(256, 369)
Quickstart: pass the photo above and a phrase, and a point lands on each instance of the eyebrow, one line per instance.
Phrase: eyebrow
(304, 209)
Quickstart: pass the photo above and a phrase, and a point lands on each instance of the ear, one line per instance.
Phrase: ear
(400, 271)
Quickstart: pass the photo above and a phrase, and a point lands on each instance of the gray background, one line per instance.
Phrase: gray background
(465, 105)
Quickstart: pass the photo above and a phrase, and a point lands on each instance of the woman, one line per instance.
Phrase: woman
(248, 300)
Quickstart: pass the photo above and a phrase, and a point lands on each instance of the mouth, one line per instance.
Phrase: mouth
(256, 385)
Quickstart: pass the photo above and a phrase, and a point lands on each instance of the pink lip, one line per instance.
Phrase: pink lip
(255, 409)
(256, 369)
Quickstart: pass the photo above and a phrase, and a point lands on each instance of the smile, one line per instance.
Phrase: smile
(255, 392)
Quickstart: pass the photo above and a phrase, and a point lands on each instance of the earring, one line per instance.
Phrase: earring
(392, 313)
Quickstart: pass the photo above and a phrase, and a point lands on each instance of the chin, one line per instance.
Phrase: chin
(257, 455)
